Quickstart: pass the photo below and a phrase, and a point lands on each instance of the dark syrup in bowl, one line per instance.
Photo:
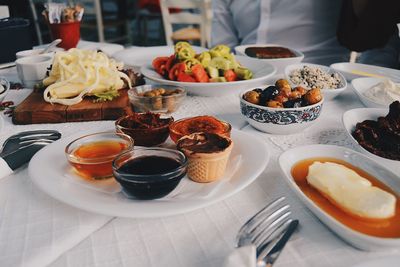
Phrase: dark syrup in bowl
(150, 176)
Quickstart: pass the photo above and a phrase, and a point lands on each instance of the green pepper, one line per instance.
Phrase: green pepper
(204, 59)
(221, 63)
(186, 53)
(180, 45)
(220, 50)
(243, 73)
(190, 63)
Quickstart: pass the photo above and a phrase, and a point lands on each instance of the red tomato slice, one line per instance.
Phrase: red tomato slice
(159, 64)
(170, 62)
(230, 76)
(200, 73)
(175, 70)
(183, 77)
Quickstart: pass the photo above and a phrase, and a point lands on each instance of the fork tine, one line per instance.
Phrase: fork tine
(37, 132)
(259, 214)
(42, 143)
(269, 228)
(40, 136)
(265, 247)
(30, 141)
(268, 219)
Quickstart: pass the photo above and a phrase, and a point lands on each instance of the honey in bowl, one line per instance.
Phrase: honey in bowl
(92, 155)
(389, 227)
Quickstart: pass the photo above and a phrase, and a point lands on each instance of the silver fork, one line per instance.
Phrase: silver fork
(265, 228)
(28, 138)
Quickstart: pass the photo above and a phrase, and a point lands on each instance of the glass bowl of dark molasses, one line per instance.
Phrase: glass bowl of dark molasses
(149, 173)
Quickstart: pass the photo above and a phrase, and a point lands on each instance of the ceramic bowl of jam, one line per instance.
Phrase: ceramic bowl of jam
(149, 173)
(147, 129)
(92, 155)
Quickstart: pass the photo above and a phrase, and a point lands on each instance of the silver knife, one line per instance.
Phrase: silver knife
(271, 257)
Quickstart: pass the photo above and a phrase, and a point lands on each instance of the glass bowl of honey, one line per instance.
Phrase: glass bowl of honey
(92, 155)
(149, 172)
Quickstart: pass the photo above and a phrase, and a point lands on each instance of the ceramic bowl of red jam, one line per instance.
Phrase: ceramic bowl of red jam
(149, 173)
(147, 129)
(92, 155)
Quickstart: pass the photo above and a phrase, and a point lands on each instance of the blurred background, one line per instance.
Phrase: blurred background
(126, 22)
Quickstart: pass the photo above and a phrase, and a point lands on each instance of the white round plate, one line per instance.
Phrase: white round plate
(50, 171)
(361, 85)
(140, 56)
(261, 72)
(357, 70)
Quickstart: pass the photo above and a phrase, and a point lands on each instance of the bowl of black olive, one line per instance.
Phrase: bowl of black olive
(281, 109)
(149, 172)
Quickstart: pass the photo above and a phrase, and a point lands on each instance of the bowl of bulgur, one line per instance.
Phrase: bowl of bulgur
(331, 82)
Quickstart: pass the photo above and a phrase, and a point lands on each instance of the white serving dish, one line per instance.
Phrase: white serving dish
(357, 70)
(355, 238)
(352, 117)
(279, 120)
(278, 63)
(360, 85)
(261, 72)
(50, 172)
(328, 94)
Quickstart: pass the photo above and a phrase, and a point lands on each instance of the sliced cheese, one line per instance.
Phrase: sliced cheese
(350, 191)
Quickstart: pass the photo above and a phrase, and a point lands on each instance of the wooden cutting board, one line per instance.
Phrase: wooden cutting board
(35, 110)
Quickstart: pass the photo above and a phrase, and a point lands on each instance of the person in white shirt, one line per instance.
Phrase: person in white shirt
(305, 25)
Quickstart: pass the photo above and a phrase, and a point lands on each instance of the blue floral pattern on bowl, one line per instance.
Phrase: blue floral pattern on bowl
(281, 117)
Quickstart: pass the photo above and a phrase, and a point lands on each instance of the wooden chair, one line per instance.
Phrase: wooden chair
(194, 12)
(96, 18)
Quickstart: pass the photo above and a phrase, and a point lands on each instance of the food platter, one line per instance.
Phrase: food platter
(49, 170)
(261, 72)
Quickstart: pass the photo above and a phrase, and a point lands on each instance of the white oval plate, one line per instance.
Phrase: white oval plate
(50, 171)
(140, 56)
(329, 94)
(261, 72)
(360, 85)
(355, 238)
(352, 117)
(357, 70)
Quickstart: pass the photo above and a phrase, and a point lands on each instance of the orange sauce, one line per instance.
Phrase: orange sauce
(101, 168)
(381, 227)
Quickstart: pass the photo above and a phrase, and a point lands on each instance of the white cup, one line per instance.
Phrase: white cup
(32, 70)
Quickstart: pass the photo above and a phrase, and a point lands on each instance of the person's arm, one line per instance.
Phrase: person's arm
(367, 24)
(223, 28)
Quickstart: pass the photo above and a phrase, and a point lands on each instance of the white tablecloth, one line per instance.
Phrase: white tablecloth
(36, 230)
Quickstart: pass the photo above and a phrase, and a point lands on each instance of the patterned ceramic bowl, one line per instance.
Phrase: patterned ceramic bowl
(280, 120)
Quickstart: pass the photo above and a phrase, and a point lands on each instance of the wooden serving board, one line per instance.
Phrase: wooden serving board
(35, 110)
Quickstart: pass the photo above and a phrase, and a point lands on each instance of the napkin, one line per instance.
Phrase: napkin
(242, 257)
(5, 170)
